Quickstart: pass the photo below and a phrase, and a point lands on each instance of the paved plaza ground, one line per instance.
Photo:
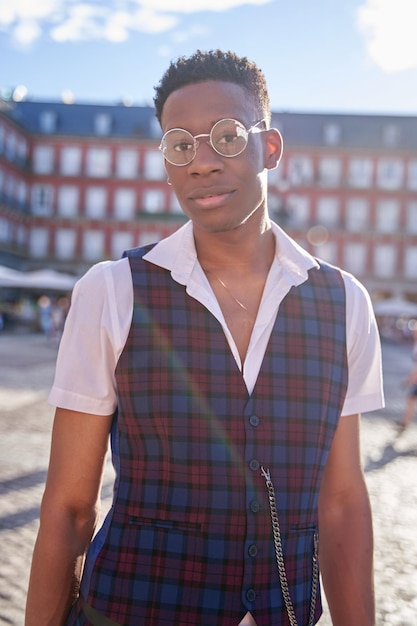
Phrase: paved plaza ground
(390, 462)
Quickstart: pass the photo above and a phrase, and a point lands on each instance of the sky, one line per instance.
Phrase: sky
(330, 56)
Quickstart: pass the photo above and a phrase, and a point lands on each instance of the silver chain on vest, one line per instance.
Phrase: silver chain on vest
(280, 557)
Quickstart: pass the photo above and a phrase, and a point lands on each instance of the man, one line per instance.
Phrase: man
(230, 367)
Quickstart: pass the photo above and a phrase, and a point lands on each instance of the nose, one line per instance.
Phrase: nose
(206, 159)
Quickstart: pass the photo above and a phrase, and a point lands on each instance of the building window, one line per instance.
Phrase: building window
(9, 183)
(387, 216)
(174, 205)
(354, 258)
(331, 134)
(68, 201)
(127, 164)
(96, 202)
(357, 214)
(71, 161)
(38, 242)
(328, 211)
(5, 230)
(146, 237)
(328, 252)
(48, 121)
(390, 174)
(360, 173)
(330, 170)
(412, 217)
(43, 159)
(153, 166)
(298, 208)
(124, 204)
(98, 162)
(102, 124)
(120, 242)
(42, 197)
(10, 151)
(93, 245)
(410, 262)
(153, 200)
(21, 193)
(21, 235)
(412, 175)
(300, 170)
(385, 256)
(65, 243)
(390, 136)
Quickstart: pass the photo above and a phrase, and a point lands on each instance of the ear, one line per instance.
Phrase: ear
(274, 146)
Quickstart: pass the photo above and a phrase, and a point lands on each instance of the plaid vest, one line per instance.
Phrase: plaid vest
(188, 540)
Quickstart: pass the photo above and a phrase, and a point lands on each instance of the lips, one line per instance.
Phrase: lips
(209, 198)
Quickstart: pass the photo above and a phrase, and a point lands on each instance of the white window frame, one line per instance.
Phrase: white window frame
(39, 242)
(43, 159)
(153, 165)
(95, 202)
(65, 243)
(328, 211)
(42, 200)
(98, 162)
(355, 257)
(387, 216)
(93, 245)
(385, 260)
(300, 170)
(68, 201)
(357, 215)
(390, 174)
(127, 163)
(124, 205)
(360, 173)
(153, 200)
(70, 158)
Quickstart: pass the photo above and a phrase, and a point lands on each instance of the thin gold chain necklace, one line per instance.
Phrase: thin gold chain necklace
(223, 284)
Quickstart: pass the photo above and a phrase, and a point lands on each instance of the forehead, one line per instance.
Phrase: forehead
(203, 104)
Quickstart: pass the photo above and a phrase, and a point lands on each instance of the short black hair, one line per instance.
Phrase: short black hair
(213, 65)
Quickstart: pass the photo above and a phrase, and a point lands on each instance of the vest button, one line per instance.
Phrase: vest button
(254, 506)
(251, 595)
(253, 550)
(254, 465)
(254, 420)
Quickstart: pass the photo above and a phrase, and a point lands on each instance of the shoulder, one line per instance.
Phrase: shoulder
(103, 276)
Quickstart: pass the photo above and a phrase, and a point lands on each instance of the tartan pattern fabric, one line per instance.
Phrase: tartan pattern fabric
(189, 539)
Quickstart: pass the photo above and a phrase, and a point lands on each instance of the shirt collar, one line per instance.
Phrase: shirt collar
(177, 254)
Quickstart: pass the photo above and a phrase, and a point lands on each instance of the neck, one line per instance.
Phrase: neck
(234, 250)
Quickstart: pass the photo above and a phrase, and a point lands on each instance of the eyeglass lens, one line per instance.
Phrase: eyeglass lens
(227, 137)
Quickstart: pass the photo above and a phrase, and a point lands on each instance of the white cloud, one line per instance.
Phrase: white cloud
(72, 20)
(193, 6)
(390, 29)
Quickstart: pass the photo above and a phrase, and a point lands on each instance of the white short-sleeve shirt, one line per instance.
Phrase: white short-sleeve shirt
(101, 310)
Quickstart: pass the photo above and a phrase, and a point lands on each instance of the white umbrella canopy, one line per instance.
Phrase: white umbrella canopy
(39, 279)
(50, 279)
(396, 307)
(9, 277)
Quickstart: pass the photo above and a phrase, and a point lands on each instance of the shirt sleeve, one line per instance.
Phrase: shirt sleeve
(365, 384)
(95, 332)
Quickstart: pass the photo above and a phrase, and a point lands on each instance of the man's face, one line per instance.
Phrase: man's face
(217, 193)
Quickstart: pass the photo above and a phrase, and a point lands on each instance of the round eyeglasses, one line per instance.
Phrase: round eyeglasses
(228, 138)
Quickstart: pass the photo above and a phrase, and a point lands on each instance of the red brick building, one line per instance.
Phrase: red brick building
(82, 182)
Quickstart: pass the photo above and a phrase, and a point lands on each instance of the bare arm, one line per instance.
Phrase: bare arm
(346, 538)
(69, 513)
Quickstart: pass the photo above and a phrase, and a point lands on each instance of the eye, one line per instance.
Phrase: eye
(227, 137)
(182, 146)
